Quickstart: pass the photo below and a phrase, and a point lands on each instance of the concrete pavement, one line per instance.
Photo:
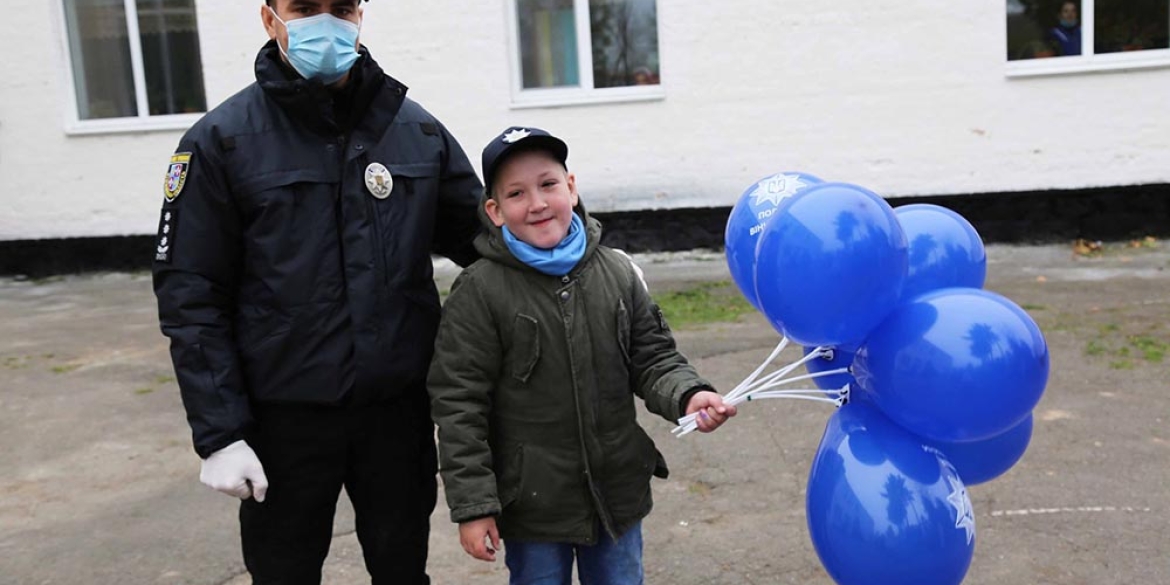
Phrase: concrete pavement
(98, 483)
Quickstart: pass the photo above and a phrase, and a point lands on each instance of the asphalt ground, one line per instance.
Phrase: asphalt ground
(98, 482)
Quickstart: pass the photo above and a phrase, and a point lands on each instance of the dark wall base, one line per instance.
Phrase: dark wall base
(1030, 217)
(1115, 213)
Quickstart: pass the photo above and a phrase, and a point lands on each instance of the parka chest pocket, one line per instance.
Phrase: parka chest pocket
(524, 351)
(623, 331)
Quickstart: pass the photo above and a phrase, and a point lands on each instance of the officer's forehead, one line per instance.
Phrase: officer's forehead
(315, 3)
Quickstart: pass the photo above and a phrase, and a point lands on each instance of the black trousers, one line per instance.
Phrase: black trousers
(383, 454)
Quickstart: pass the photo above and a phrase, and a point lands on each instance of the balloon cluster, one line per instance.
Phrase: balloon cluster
(938, 377)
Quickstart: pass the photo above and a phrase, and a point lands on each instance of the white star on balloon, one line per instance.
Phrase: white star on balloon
(964, 515)
(514, 135)
(777, 188)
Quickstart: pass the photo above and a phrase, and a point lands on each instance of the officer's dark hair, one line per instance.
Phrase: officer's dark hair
(269, 2)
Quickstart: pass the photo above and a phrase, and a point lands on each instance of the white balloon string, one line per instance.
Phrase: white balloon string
(752, 377)
(763, 395)
(754, 384)
(749, 385)
(804, 377)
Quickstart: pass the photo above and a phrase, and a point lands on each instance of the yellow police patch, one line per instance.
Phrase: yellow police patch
(176, 175)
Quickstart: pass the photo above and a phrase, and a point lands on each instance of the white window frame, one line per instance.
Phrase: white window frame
(143, 122)
(585, 93)
(1087, 61)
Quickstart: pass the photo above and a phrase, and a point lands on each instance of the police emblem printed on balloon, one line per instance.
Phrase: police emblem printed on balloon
(379, 181)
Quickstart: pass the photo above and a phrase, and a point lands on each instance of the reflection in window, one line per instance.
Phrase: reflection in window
(621, 50)
(1052, 28)
(103, 56)
(625, 42)
(1131, 25)
(170, 53)
(548, 43)
(99, 46)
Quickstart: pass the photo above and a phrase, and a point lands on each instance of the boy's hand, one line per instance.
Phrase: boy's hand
(474, 533)
(712, 411)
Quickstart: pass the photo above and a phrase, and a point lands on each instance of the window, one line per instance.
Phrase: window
(579, 51)
(135, 64)
(1056, 36)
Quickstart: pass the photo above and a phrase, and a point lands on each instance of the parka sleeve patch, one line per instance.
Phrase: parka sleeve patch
(176, 175)
(168, 225)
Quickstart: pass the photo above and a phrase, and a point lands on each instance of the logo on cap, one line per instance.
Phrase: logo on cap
(516, 135)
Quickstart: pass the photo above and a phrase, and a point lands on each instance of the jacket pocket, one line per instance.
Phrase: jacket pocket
(396, 220)
(623, 331)
(525, 349)
(508, 474)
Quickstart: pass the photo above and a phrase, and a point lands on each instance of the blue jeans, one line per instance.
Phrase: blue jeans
(608, 562)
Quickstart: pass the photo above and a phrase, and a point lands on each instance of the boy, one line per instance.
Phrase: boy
(542, 345)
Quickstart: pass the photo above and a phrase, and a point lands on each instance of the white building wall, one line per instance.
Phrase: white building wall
(906, 98)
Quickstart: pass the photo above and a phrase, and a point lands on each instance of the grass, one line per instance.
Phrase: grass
(15, 362)
(65, 369)
(1127, 350)
(164, 380)
(1095, 347)
(143, 391)
(709, 302)
(1152, 349)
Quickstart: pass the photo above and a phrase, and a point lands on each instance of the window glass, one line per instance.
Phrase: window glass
(1052, 28)
(625, 42)
(170, 56)
(109, 67)
(1130, 25)
(1038, 29)
(99, 46)
(548, 43)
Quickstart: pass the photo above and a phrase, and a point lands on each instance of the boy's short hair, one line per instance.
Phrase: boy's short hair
(519, 139)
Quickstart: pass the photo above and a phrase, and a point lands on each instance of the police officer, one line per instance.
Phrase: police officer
(293, 277)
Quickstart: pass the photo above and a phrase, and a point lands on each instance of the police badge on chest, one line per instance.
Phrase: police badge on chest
(379, 181)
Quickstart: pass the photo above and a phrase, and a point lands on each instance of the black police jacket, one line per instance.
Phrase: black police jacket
(280, 277)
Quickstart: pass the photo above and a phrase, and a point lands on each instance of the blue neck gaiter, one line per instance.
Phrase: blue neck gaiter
(556, 261)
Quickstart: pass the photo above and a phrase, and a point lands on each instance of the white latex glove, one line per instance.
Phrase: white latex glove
(236, 471)
(637, 269)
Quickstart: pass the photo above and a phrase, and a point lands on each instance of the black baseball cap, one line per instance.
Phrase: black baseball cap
(519, 139)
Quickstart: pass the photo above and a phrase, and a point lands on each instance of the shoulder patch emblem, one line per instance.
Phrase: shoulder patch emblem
(176, 175)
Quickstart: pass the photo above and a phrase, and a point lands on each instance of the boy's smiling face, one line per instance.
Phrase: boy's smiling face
(534, 196)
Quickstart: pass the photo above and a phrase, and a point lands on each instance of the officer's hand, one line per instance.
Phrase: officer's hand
(473, 535)
(235, 470)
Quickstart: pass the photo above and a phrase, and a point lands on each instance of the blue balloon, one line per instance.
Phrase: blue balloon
(945, 249)
(956, 364)
(830, 265)
(841, 358)
(882, 508)
(982, 461)
(754, 208)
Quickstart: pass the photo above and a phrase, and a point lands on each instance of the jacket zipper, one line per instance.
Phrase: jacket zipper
(379, 250)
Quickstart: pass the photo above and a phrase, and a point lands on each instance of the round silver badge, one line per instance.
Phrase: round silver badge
(378, 180)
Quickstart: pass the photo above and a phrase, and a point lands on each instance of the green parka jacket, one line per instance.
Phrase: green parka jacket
(532, 388)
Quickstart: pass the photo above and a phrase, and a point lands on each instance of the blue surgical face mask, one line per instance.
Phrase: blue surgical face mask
(321, 47)
(1067, 23)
